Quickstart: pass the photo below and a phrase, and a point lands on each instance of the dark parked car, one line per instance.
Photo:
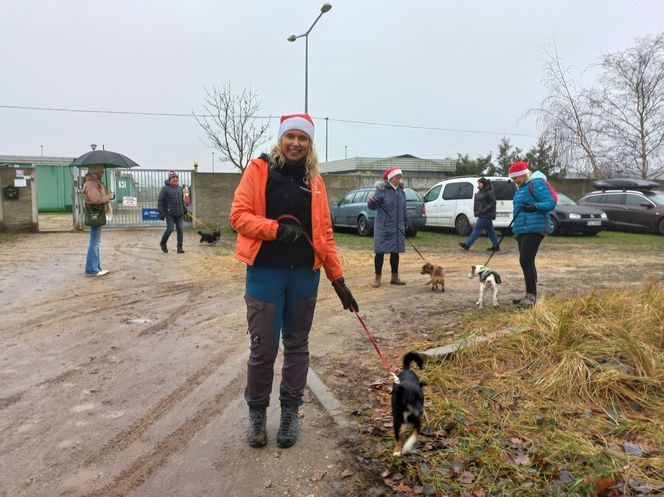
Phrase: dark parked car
(352, 211)
(569, 217)
(631, 205)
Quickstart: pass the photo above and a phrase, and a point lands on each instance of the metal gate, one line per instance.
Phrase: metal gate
(136, 195)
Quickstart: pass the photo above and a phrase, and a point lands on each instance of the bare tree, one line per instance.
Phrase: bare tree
(631, 107)
(568, 119)
(231, 125)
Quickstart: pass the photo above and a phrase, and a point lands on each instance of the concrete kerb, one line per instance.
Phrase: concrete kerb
(447, 351)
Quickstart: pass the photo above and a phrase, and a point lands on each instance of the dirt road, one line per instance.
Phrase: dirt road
(131, 384)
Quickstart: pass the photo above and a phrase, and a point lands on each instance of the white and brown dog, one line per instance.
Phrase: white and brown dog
(488, 279)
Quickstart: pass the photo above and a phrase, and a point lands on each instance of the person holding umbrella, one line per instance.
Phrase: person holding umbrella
(96, 193)
(172, 207)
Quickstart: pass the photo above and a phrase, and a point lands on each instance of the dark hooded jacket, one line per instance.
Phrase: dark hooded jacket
(171, 201)
(485, 202)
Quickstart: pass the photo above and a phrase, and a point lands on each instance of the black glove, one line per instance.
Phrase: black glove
(529, 207)
(289, 233)
(344, 294)
(162, 216)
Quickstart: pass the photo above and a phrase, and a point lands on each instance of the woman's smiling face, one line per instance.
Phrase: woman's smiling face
(295, 145)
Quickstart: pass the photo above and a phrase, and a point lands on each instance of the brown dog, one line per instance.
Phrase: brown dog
(437, 276)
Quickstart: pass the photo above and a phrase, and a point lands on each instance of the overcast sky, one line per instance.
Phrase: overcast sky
(472, 65)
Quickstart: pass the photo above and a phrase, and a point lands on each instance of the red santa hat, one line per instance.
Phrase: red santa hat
(518, 169)
(391, 173)
(301, 122)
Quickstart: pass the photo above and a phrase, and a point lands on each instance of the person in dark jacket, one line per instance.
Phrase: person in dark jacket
(532, 203)
(172, 208)
(484, 208)
(389, 202)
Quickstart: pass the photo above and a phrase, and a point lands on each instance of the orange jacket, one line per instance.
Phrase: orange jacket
(247, 217)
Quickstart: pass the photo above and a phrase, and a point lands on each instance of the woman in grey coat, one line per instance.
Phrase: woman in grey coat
(389, 202)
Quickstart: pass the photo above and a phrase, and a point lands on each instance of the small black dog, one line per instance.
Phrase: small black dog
(407, 403)
(210, 237)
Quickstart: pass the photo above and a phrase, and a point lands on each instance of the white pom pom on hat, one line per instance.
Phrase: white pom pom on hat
(300, 122)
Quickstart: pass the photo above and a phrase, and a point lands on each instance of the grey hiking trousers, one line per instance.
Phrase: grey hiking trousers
(280, 304)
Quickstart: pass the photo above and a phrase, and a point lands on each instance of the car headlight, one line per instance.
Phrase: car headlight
(603, 216)
(574, 215)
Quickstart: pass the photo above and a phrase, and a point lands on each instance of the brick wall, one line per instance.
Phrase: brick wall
(21, 214)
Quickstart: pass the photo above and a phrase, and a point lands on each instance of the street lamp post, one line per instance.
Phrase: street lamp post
(325, 8)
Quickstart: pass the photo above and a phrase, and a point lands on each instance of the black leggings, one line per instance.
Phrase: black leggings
(528, 246)
(394, 262)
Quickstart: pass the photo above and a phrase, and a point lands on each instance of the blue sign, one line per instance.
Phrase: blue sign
(150, 214)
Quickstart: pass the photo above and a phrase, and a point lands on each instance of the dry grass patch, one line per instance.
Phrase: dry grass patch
(573, 406)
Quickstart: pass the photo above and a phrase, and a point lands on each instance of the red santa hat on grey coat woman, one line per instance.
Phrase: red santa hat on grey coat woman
(391, 173)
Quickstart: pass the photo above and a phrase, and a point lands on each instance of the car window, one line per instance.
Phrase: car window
(614, 198)
(412, 195)
(458, 191)
(347, 199)
(656, 196)
(433, 193)
(357, 198)
(504, 190)
(635, 199)
(595, 199)
(565, 200)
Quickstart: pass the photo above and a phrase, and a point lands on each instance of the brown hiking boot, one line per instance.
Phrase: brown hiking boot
(376, 282)
(395, 280)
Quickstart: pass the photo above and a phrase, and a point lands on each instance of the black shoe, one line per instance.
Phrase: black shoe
(257, 432)
(180, 250)
(494, 249)
(463, 245)
(164, 249)
(289, 426)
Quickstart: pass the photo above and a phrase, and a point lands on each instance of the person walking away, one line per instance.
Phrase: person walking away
(532, 203)
(95, 193)
(284, 234)
(389, 202)
(484, 207)
(172, 207)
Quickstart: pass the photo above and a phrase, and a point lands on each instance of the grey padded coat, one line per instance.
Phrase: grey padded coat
(391, 218)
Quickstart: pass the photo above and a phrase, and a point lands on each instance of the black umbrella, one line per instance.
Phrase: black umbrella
(104, 158)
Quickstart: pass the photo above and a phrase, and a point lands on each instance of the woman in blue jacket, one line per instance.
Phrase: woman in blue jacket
(389, 202)
(532, 203)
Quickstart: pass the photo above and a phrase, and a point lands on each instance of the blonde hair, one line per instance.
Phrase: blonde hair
(277, 156)
(95, 169)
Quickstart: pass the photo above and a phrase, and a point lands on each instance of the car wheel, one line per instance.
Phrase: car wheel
(462, 225)
(556, 226)
(412, 232)
(363, 226)
(661, 226)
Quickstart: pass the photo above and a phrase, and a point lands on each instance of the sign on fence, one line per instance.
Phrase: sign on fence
(150, 214)
(129, 202)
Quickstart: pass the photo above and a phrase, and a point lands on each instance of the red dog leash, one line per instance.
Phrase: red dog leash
(372, 338)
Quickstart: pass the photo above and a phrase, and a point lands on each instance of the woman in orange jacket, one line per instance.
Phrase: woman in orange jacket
(281, 214)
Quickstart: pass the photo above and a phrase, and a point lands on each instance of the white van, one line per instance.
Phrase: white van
(449, 204)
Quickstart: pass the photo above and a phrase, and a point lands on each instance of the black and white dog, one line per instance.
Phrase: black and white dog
(407, 403)
(210, 237)
(489, 280)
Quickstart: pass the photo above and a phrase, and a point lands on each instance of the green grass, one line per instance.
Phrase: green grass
(445, 240)
(552, 410)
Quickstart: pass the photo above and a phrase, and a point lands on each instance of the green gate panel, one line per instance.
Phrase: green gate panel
(54, 188)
